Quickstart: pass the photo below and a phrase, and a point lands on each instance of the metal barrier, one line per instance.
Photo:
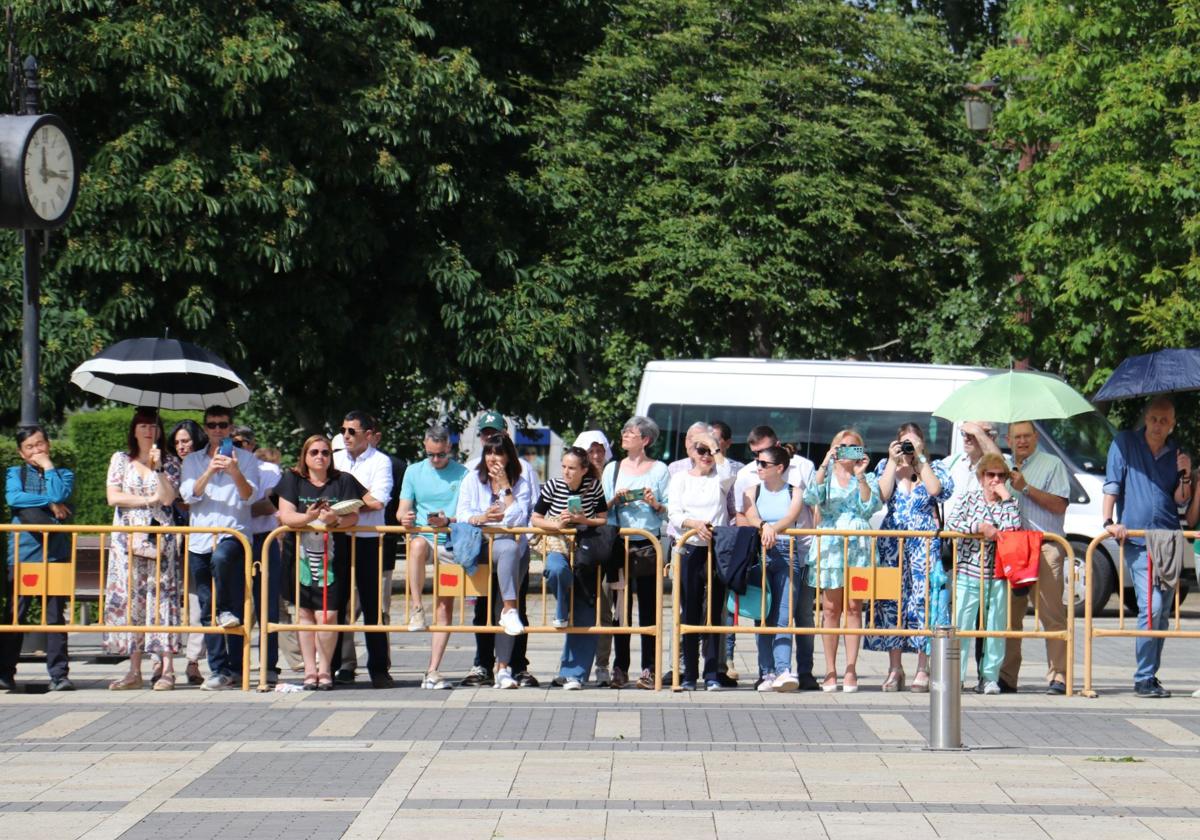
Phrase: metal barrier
(46, 579)
(1091, 631)
(872, 583)
(478, 585)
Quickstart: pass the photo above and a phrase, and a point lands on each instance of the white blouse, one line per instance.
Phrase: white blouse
(699, 497)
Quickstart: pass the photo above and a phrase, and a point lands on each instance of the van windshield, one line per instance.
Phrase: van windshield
(1084, 439)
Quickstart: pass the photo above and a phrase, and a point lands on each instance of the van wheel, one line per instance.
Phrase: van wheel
(1105, 574)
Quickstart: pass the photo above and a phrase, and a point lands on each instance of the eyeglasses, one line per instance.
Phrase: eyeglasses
(348, 432)
(703, 451)
(217, 424)
(320, 453)
(432, 455)
(762, 465)
(990, 433)
(1000, 475)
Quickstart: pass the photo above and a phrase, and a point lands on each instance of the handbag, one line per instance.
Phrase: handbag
(946, 544)
(643, 559)
(748, 605)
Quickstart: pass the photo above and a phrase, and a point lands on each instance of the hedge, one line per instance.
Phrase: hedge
(92, 437)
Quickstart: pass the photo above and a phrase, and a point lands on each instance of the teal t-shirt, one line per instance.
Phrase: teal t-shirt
(432, 490)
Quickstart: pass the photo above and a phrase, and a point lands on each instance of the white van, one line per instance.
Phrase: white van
(808, 402)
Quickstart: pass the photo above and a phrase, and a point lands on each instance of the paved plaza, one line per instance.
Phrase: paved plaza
(544, 763)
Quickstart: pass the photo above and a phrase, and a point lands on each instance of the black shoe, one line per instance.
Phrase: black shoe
(808, 683)
(8, 683)
(1005, 688)
(344, 676)
(1057, 687)
(382, 680)
(726, 681)
(527, 680)
(979, 687)
(62, 684)
(478, 676)
(1150, 688)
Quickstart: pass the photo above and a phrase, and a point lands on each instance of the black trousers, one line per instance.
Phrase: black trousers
(367, 583)
(57, 659)
(647, 608)
(697, 592)
(485, 643)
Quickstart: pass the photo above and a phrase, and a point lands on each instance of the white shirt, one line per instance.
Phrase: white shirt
(700, 497)
(270, 477)
(373, 470)
(221, 506)
(527, 472)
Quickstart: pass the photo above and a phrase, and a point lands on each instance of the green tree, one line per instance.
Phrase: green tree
(755, 178)
(1105, 225)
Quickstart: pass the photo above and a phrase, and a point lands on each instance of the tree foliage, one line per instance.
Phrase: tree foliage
(1105, 225)
(756, 178)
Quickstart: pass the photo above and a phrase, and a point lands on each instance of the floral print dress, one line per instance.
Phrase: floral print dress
(911, 511)
(843, 509)
(135, 592)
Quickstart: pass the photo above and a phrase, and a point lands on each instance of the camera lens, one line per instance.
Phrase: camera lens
(906, 447)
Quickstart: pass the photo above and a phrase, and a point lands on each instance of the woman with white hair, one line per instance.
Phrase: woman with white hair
(698, 503)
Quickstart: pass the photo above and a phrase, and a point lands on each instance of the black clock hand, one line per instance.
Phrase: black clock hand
(45, 172)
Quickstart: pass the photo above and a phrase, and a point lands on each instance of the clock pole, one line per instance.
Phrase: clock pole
(31, 307)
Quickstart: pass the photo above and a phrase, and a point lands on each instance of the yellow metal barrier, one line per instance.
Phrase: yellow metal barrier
(478, 584)
(1091, 631)
(877, 583)
(46, 579)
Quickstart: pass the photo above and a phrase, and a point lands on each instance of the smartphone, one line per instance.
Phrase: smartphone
(225, 447)
(850, 453)
(632, 495)
(574, 504)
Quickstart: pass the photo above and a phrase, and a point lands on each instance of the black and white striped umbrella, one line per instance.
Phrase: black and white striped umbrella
(161, 372)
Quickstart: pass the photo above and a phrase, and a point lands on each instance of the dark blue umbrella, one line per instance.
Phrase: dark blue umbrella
(1161, 372)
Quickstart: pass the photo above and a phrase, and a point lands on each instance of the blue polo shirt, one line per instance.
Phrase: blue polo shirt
(1144, 484)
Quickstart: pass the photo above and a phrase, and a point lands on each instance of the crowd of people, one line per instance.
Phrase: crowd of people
(725, 521)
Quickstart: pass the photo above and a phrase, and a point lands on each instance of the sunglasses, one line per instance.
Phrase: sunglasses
(217, 424)
(1000, 475)
(323, 453)
(703, 451)
(348, 432)
(764, 464)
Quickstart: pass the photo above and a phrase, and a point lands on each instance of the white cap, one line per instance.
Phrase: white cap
(594, 436)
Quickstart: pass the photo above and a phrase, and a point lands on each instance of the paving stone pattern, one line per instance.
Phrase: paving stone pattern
(301, 775)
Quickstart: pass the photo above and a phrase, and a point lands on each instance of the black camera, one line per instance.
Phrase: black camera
(906, 447)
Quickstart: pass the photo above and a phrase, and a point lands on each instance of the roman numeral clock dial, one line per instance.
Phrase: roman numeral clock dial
(39, 178)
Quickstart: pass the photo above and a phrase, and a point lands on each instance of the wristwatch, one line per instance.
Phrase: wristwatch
(922, 459)
(1108, 522)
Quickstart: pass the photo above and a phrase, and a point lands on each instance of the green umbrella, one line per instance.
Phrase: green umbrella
(1016, 395)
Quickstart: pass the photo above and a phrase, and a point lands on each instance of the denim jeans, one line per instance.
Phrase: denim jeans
(775, 652)
(222, 572)
(1148, 651)
(803, 599)
(561, 581)
(579, 649)
(274, 582)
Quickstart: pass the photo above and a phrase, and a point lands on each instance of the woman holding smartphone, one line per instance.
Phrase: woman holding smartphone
(573, 501)
(498, 494)
(846, 495)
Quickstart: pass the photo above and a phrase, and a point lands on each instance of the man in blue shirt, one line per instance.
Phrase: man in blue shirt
(1147, 479)
(37, 492)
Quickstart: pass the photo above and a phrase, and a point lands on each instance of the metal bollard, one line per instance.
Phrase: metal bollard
(945, 692)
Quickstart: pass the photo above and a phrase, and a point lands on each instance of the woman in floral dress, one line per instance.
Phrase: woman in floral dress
(911, 485)
(142, 484)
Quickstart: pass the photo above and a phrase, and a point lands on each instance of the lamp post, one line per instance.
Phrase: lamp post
(31, 306)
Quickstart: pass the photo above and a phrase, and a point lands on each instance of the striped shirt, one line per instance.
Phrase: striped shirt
(553, 499)
(1048, 473)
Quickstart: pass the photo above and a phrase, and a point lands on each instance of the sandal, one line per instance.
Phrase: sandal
(193, 674)
(849, 687)
(157, 672)
(894, 681)
(920, 683)
(830, 683)
(310, 682)
(324, 682)
(129, 682)
(165, 683)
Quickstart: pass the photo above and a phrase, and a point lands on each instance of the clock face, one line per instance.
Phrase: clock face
(49, 172)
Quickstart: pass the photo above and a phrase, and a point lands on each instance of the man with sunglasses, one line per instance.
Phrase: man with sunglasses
(218, 490)
(978, 439)
(373, 470)
(800, 472)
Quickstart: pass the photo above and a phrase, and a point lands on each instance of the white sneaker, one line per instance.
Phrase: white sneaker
(417, 620)
(510, 620)
(1196, 693)
(559, 623)
(572, 684)
(435, 682)
(217, 682)
(786, 682)
(504, 677)
(767, 683)
(603, 677)
(991, 687)
(228, 620)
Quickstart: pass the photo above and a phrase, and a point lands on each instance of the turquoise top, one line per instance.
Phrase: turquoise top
(637, 514)
(432, 490)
